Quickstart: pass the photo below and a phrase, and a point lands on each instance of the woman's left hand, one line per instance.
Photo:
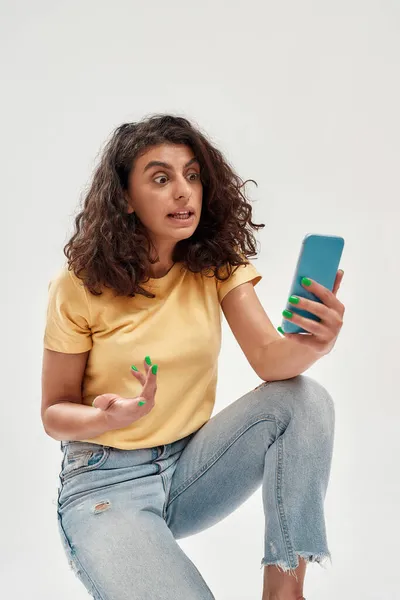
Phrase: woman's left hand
(322, 335)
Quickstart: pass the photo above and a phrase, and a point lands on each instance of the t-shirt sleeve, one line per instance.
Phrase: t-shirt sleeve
(243, 274)
(67, 321)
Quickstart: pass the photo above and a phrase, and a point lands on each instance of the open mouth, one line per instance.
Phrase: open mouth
(181, 216)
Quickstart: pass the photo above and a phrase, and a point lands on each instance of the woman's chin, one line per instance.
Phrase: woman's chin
(182, 232)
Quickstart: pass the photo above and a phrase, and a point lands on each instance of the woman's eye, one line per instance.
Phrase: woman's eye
(160, 177)
(197, 175)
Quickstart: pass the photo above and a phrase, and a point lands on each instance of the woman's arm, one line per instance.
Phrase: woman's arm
(272, 357)
(64, 417)
(283, 359)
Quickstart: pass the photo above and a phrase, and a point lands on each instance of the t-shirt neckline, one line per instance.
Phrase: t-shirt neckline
(157, 282)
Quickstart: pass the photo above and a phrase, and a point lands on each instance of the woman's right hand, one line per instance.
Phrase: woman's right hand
(121, 412)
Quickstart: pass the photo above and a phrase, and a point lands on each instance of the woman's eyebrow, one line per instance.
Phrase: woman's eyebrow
(158, 163)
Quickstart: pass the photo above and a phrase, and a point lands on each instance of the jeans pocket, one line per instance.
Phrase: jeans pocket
(78, 460)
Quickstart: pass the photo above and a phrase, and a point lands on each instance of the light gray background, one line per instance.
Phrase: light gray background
(304, 98)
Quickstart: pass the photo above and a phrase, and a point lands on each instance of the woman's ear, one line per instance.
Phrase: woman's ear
(129, 208)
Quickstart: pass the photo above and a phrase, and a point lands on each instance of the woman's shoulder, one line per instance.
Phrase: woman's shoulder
(66, 278)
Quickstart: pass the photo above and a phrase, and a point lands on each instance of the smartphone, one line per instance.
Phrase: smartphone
(319, 259)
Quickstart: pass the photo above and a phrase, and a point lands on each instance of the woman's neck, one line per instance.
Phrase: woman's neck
(159, 269)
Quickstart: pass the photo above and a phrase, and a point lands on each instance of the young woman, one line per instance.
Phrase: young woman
(160, 250)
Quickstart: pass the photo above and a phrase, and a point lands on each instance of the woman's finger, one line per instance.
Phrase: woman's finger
(147, 367)
(147, 364)
(138, 375)
(338, 281)
(150, 386)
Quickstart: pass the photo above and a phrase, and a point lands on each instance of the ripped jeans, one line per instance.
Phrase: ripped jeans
(120, 512)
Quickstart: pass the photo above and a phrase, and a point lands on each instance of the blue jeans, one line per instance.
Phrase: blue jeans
(120, 512)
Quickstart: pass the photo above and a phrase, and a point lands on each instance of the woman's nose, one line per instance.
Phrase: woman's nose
(182, 188)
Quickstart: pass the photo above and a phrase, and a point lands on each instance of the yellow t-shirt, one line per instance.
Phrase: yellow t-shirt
(180, 330)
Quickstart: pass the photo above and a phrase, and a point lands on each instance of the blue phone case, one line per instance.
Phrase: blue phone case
(319, 260)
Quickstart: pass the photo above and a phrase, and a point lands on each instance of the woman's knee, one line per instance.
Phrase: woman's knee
(302, 395)
(314, 401)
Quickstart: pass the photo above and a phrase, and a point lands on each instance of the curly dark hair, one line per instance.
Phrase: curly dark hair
(110, 247)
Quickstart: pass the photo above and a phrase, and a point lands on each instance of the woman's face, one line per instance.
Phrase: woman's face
(158, 190)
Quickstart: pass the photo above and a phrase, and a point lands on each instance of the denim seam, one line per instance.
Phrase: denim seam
(281, 511)
(75, 558)
(221, 451)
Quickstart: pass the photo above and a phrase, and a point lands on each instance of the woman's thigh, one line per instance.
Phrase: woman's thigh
(225, 462)
(111, 524)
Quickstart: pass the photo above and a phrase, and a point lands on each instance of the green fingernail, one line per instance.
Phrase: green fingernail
(141, 402)
(154, 369)
(148, 360)
(287, 314)
(133, 367)
(280, 330)
(294, 299)
(306, 281)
